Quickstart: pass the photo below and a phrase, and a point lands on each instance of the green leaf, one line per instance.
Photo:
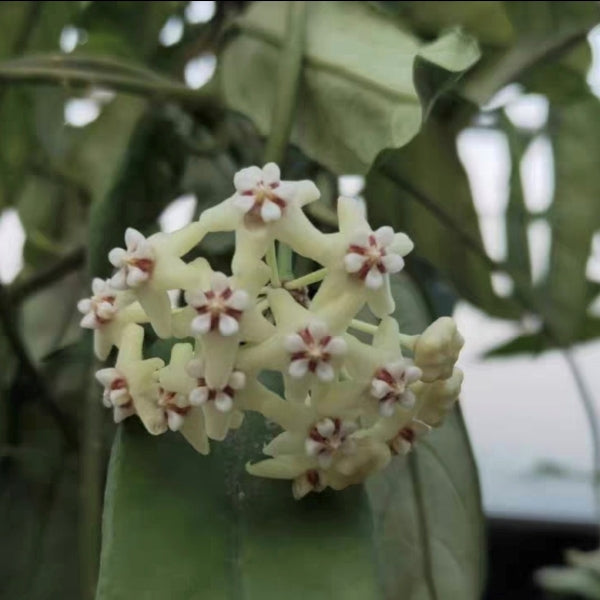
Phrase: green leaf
(180, 525)
(574, 216)
(429, 166)
(148, 179)
(355, 58)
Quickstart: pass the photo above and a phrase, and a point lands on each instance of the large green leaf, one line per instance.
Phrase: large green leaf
(428, 169)
(180, 525)
(358, 93)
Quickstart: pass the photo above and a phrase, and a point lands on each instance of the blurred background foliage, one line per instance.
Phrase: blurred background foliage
(106, 117)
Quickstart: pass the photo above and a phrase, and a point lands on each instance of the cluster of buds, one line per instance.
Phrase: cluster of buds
(348, 406)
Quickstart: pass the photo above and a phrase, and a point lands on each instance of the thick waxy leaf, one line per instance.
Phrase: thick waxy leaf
(358, 93)
(404, 189)
(178, 524)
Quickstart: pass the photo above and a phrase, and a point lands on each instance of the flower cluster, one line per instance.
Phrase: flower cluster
(348, 405)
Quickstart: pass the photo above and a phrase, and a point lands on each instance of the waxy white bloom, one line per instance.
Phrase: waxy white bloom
(390, 386)
(371, 255)
(437, 348)
(173, 399)
(359, 262)
(403, 442)
(149, 267)
(312, 350)
(327, 437)
(219, 308)
(222, 397)
(131, 388)
(107, 312)
(101, 308)
(135, 264)
(260, 193)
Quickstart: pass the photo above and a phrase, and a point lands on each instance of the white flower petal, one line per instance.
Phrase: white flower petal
(336, 346)
(348, 427)
(294, 343)
(201, 324)
(244, 203)
(98, 286)
(195, 298)
(384, 235)
(354, 262)
(360, 238)
(298, 368)
(105, 310)
(318, 330)
(219, 282)
(393, 263)
(228, 325)
(396, 369)
(119, 279)
(324, 459)
(117, 257)
(325, 371)
(107, 376)
(271, 173)
(407, 399)
(270, 211)
(223, 402)
(237, 380)
(133, 239)
(175, 420)
(413, 374)
(379, 388)
(287, 191)
(247, 179)
(374, 279)
(89, 321)
(325, 427)
(136, 277)
(239, 300)
(84, 305)
(119, 396)
(387, 408)
(198, 396)
(312, 447)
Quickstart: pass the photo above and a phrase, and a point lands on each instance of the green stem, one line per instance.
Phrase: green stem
(305, 280)
(284, 108)
(408, 341)
(271, 259)
(163, 89)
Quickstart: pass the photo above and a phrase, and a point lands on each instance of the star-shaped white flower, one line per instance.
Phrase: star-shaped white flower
(312, 349)
(260, 193)
(101, 307)
(406, 438)
(218, 309)
(390, 386)
(107, 312)
(135, 264)
(327, 437)
(370, 255)
(222, 397)
(149, 267)
(130, 387)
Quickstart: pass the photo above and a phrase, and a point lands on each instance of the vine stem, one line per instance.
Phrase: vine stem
(305, 280)
(591, 413)
(408, 341)
(284, 104)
